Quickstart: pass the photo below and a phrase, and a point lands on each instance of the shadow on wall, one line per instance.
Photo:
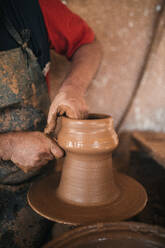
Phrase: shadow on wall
(124, 29)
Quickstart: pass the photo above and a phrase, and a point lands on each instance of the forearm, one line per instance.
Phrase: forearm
(70, 100)
(84, 65)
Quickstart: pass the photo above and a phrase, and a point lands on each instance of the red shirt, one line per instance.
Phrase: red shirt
(66, 30)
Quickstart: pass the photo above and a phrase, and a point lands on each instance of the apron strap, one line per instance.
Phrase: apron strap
(22, 39)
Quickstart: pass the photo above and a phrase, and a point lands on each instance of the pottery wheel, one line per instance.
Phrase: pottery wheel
(42, 198)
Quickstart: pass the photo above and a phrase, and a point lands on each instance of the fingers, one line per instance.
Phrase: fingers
(74, 112)
(83, 114)
(50, 126)
(71, 113)
(79, 110)
(52, 117)
(56, 150)
(74, 108)
(38, 150)
(51, 123)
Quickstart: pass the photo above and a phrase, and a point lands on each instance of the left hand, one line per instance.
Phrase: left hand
(69, 102)
(29, 150)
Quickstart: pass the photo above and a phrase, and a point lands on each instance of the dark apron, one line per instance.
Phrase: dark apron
(24, 105)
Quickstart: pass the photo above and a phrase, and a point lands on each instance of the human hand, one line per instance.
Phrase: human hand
(69, 102)
(32, 150)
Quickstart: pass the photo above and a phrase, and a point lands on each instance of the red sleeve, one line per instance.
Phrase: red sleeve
(66, 30)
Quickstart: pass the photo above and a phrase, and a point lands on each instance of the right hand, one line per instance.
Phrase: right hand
(69, 102)
(31, 150)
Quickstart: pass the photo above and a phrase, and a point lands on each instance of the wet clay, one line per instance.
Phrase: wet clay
(114, 235)
(90, 190)
(87, 176)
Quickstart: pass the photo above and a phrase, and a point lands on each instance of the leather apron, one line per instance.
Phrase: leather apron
(24, 105)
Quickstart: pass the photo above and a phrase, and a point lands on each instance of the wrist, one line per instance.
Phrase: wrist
(70, 87)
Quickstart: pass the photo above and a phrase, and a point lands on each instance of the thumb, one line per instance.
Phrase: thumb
(56, 150)
(50, 126)
(51, 123)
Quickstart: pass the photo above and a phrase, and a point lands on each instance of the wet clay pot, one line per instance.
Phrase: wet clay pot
(114, 235)
(87, 176)
(90, 190)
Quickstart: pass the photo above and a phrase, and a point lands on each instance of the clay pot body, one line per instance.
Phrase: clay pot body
(87, 176)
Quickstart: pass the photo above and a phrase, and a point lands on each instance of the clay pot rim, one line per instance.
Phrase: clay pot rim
(99, 228)
(99, 117)
(101, 120)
